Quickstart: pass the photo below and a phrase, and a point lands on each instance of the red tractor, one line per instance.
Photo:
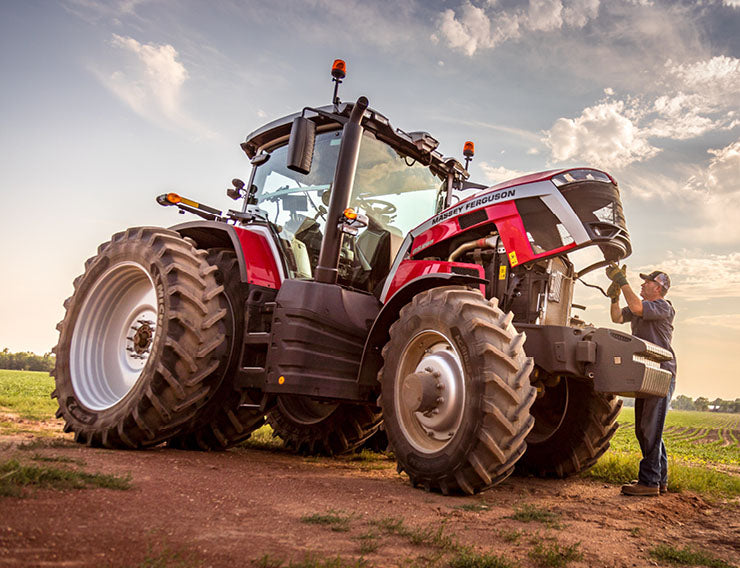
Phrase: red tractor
(349, 299)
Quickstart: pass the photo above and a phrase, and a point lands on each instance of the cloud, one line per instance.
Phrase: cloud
(681, 117)
(604, 135)
(578, 13)
(708, 97)
(160, 82)
(472, 28)
(699, 278)
(545, 15)
(469, 32)
(497, 174)
(718, 73)
(151, 85)
(722, 176)
(705, 96)
(706, 196)
(716, 191)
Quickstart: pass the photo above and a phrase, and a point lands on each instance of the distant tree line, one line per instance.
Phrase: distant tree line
(26, 361)
(703, 404)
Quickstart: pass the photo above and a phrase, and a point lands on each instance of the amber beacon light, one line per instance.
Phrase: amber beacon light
(338, 72)
(339, 69)
(468, 152)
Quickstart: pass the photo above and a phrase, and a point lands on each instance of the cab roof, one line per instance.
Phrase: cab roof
(420, 146)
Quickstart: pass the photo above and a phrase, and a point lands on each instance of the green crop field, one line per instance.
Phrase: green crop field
(698, 437)
(703, 452)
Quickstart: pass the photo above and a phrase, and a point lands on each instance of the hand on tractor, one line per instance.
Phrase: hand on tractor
(617, 276)
(614, 291)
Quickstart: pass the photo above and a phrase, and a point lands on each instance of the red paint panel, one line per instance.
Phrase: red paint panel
(408, 270)
(507, 220)
(259, 259)
(514, 237)
(435, 234)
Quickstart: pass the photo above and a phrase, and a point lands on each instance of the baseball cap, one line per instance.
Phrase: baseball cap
(659, 277)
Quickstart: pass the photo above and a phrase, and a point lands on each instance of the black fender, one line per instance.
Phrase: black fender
(372, 359)
(214, 234)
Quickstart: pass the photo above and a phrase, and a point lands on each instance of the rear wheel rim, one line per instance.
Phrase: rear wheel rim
(113, 336)
(431, 354)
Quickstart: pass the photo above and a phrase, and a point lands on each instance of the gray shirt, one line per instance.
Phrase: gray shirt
(655, 325)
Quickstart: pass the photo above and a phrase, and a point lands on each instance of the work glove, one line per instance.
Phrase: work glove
(616, 275)
(614, 292)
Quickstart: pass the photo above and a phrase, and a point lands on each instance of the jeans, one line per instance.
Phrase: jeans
(650, 416)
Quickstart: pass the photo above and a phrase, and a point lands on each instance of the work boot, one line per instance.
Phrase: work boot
(663, 488)
(640, 490)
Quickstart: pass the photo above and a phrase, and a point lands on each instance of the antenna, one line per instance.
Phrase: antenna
(338, 72)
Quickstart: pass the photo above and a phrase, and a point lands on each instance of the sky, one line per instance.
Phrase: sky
(105, 105)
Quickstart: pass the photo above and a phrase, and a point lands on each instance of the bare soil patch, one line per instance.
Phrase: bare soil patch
(710, 437)
(235, 508)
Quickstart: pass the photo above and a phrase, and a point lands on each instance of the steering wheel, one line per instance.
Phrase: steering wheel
(377, 206)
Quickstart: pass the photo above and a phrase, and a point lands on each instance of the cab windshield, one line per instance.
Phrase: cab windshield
(395, 192)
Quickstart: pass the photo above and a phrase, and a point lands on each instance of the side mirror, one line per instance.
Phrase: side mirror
(301, 145)
(236, 191)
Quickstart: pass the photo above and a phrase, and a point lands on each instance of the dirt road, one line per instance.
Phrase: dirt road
(250, 507)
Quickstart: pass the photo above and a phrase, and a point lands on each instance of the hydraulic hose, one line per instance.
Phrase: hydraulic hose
(486, 242)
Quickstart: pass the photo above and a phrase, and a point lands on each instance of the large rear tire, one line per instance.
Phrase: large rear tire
(311, 427)
(141, 338)
(573, 425)
(231, 415)
(456, 391)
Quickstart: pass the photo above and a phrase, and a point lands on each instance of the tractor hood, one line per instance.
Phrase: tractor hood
(538, 216)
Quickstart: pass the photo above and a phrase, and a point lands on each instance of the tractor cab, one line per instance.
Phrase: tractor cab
(399, 181)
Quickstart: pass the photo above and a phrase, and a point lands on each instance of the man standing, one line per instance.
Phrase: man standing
(652, 320)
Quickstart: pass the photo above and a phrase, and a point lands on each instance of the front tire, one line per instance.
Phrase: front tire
(141, 338)
(456, 391)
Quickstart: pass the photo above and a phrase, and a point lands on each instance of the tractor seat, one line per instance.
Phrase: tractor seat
(379, 247)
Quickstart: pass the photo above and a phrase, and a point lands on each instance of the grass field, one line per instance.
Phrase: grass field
(704, 447)
(699, 437)
(27, 394)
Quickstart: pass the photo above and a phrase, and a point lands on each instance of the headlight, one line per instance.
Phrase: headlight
(572, 176)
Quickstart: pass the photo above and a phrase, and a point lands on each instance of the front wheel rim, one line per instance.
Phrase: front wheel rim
(432, 365)
(113, 336)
